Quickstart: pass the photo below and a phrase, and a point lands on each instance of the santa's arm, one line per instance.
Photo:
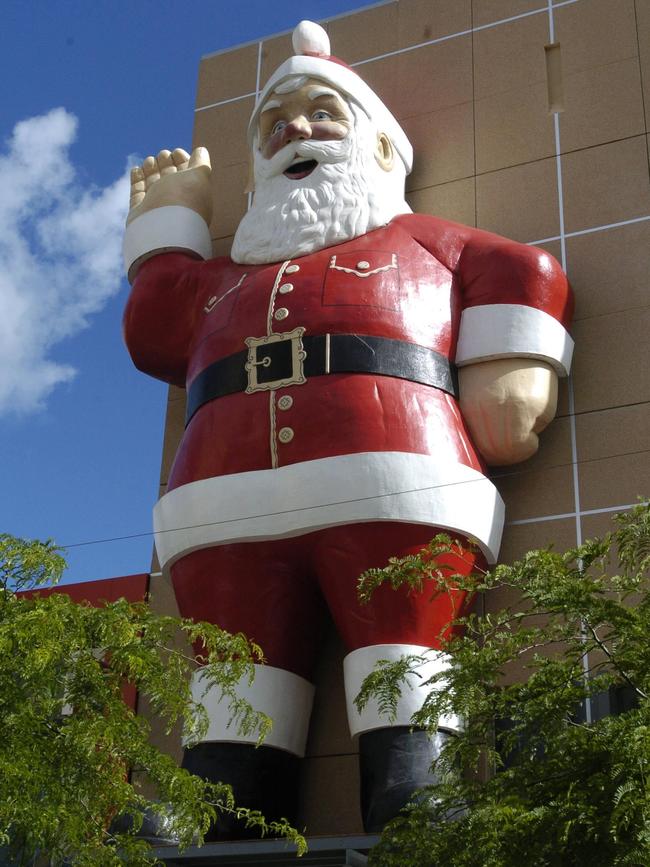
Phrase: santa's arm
(166, 237)
(513, 343)
(170, 207)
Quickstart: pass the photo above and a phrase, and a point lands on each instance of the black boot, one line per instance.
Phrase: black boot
(394, 763)
(262, 778)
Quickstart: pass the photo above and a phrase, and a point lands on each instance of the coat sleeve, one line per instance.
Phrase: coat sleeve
(515, 300)
(161, 249)
(159, 318)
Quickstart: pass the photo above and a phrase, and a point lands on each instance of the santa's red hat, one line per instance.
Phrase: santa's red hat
(312, 58)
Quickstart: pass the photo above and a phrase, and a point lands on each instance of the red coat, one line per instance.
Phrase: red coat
(411, 280)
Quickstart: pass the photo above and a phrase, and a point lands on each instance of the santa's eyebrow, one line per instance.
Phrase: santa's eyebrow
(270, 104)
(316, 91)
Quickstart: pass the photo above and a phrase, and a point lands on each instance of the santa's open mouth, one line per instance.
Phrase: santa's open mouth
(301, 169)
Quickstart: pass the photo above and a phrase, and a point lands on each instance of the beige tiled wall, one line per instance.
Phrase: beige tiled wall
(467, 79)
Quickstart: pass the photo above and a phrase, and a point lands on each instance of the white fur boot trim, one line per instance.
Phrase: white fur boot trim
(360, 663)
(283, 696)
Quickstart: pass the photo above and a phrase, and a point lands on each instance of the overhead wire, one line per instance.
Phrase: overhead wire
(495, 479)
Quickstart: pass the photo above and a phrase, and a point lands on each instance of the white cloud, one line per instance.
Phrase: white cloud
(60, 255)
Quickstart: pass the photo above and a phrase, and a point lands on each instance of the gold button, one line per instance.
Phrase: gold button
(291, 269)
(285, 288)
(281, 313)
(285, 402)
(285, 434)
(363, 266)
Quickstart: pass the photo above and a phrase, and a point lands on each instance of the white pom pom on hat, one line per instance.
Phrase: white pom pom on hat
(310, 38)
(313, 59)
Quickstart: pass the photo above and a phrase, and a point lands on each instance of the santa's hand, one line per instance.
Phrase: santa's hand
(506, 403)
(172, 178)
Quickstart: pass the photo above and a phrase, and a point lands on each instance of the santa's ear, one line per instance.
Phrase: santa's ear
(250, 183)
(384, 153)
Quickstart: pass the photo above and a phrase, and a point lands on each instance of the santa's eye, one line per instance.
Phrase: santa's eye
(321, 115)
(278, 126)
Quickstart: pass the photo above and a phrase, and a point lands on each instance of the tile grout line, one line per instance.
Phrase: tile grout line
(482, 610)
(225, 101)
(259, 70)
(278, 33)
(564, 515)
(471, 30)
(408, 48)
(437, 40)
(578, 233)
(515, 165)
(593, 229)
(571, 396)
(475, 166)
(608, 226)
(641, 83)
(570, 390)
(560, 195)
(560, 188)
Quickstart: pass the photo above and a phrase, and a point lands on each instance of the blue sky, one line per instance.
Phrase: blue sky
(87, 84)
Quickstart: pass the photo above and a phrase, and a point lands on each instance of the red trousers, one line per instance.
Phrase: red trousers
(275, 591)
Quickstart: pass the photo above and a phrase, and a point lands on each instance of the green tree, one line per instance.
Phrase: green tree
(68, 742)
(550, 787)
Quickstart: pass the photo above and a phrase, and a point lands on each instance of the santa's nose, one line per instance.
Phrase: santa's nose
(297, 129)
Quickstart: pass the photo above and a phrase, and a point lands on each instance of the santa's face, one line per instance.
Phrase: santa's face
(320, 178)
(313, 112)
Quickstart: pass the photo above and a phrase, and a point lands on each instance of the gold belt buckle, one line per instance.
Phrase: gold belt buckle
(258, 363)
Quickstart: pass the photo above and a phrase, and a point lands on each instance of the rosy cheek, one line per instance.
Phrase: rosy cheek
(328, 130)
(272, 145)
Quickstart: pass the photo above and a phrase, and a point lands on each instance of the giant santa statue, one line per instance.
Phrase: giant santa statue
(350, 371)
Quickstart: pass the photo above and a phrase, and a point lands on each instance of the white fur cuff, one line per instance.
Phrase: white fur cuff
(163, 230)
(282, 695)
(491, 331)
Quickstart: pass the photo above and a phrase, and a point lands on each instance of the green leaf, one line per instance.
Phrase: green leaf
(67, 739)
(548, 788)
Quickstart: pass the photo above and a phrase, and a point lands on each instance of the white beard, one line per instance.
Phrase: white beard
(347, 195)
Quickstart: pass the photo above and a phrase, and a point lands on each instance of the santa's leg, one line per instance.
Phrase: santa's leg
(395, 760)
(264, 591)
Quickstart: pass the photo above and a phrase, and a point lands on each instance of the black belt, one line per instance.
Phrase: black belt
(291, 359)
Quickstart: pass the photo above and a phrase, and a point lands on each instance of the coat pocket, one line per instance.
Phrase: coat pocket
(367, 278)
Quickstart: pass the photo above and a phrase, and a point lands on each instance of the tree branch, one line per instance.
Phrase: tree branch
(613, 661)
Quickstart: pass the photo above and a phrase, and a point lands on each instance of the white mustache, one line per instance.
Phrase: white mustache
(321, 151)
